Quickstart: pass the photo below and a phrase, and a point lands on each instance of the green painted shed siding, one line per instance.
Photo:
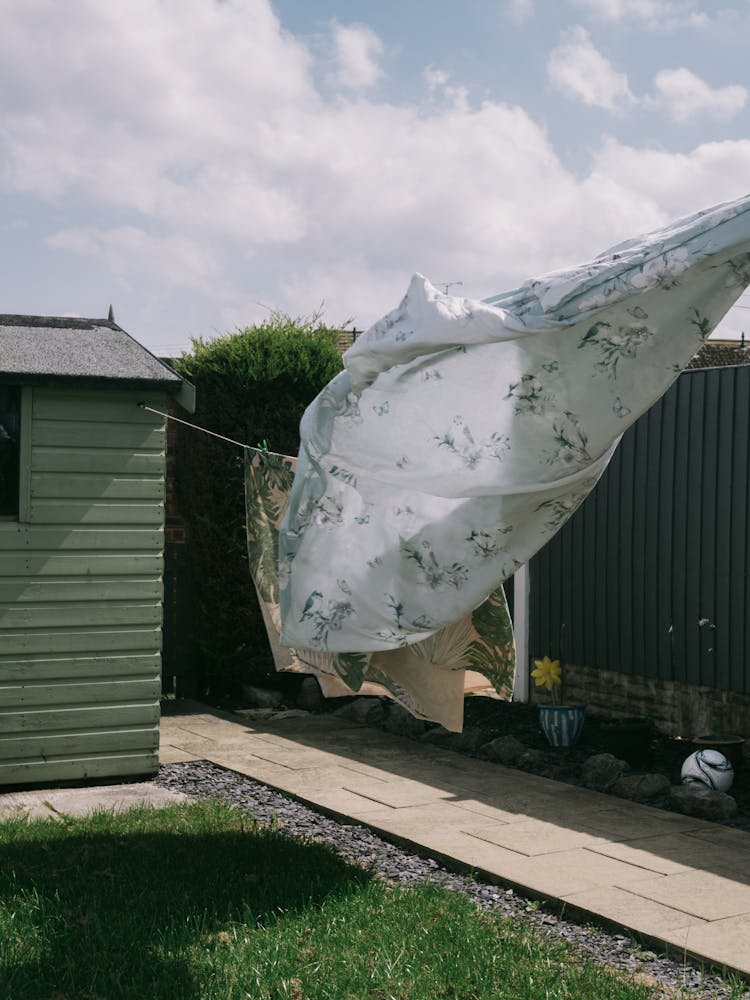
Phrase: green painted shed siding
(81, 589)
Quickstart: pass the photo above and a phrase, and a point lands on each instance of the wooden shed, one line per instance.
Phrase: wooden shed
(82, 470)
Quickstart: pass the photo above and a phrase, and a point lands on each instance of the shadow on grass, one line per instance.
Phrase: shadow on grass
(129, 905)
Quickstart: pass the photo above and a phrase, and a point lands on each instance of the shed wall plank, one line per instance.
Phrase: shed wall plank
(82, 485)
(66, 434)
(24, 537)
(15, 748)
(82, 564)
(71, 668)
(78, 693)
(36, 616)
(97, 460)
(49, 511)
(63, 720)
(91, 406)
(21, 590)
(91, 640)
(79, 768)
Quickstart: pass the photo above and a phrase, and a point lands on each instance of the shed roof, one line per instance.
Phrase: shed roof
(76, 347)
(52, 347)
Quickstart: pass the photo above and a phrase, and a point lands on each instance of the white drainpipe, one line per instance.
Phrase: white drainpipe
(521, 632)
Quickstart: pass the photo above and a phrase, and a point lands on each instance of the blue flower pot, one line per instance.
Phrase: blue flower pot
(562, 724)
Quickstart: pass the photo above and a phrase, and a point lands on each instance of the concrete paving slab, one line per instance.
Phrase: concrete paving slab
(343, 804)
(414, 821)
(722, 942)
(652, 853)
(252, 767)
(633, 912)
(478, 855)
(398, 792)
(176, 755)
(533, 837)
(298, 760)
(55, 802)
(621, 821)
(700, 893)
(319, 779)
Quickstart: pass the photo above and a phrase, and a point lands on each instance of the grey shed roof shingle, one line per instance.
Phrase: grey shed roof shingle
(63, 347)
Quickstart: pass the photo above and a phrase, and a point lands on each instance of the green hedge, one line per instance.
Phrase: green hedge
(252, 386)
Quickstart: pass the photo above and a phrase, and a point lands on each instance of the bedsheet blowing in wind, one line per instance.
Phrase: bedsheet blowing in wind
(462, 434)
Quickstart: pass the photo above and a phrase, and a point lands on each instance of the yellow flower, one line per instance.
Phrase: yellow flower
(548, 673)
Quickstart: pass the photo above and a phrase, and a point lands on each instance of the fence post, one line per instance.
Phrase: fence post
(521, 632)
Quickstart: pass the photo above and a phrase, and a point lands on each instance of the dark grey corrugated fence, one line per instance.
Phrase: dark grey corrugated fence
(650, 575)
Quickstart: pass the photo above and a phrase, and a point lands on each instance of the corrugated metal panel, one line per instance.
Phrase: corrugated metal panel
(650, 575)
(80, 591)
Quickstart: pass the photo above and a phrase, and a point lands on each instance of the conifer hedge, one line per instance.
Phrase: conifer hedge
(252, 386)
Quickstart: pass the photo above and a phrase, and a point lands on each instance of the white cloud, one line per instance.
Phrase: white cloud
(182, 149)
(685, 97)
(668, 185)
(356, 51)
(132, 254)
(579, 70)
(664, 14)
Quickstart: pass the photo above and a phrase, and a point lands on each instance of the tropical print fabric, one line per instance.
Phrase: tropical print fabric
(463, 434)
(428, 678)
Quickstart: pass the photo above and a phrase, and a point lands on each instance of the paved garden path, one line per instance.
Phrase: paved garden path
(673, 880)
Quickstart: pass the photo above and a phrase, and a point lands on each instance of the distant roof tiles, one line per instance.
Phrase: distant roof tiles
(719, 353)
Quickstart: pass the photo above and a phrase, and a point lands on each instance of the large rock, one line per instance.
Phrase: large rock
(469, 740)
(641, 787)
(399, 722)
(365, 711)
(695, 799)
(504, 749)
(262, 697)
(533, 760)
(603, 770)
(309, 695)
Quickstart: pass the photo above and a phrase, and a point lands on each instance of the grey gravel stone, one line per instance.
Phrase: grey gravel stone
(641, 787)
(695, 799)
(602, 770)
(362, 846)
(505, 749)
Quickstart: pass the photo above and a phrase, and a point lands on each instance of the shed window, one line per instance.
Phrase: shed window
(10, 434)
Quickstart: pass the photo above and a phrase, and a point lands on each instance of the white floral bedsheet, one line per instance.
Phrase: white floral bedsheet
(463, 434)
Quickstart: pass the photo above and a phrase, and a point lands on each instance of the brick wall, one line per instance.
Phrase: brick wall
(677, 709)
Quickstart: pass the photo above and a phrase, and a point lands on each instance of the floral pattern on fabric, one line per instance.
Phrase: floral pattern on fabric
(431, 683)
(463, 434)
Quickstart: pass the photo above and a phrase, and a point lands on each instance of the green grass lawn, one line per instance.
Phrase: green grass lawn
(194, 901)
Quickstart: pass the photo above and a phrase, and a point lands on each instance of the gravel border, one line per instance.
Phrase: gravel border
(360, 845)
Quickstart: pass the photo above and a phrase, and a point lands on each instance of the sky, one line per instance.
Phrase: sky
(199, 164)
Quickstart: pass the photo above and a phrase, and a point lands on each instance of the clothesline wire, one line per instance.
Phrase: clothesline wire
(205, 430)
